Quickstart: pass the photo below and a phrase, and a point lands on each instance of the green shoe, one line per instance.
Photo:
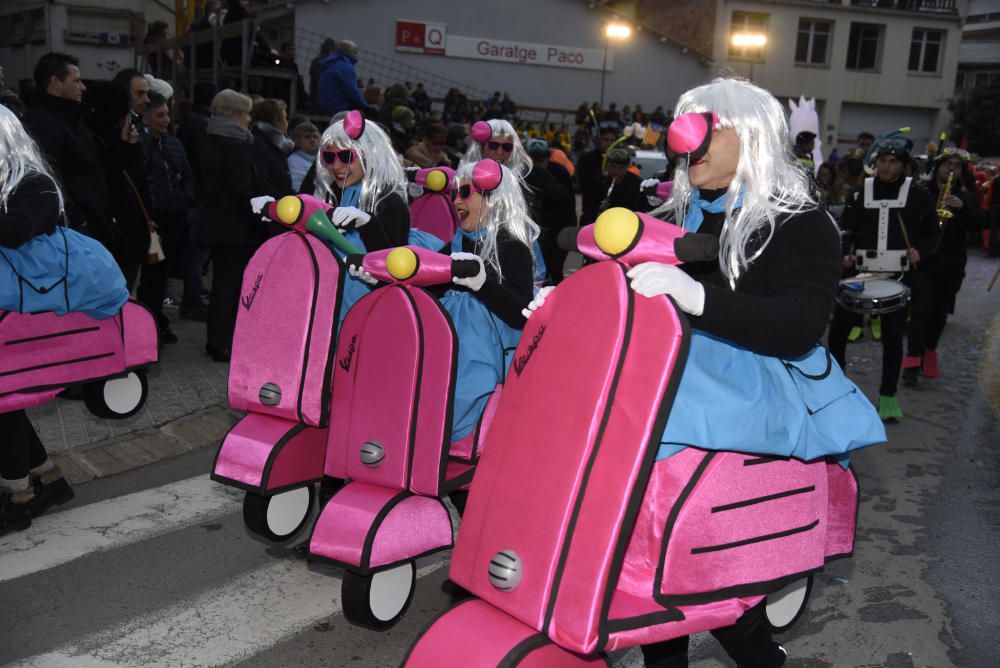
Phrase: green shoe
(876, 324)
(888, 408)
(854, 334)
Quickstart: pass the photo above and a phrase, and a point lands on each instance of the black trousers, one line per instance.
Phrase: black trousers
(228, 263)
(22, 450)
(893, 326)
(748, 642)
(554, 256)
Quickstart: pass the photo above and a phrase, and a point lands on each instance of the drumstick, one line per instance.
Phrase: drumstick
(906, 237)
(993, 281)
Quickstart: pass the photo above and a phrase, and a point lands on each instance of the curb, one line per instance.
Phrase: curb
(124, 453)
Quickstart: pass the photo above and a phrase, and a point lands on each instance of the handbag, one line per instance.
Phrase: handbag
(154, 254)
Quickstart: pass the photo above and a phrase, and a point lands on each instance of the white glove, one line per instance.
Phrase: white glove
(537, 302)
(342, 216)
(415, 190)
(258, 204)
(361, 274)
(652, 278)
(476, 282)
(649, 183)
(412, 168)
(652, 199)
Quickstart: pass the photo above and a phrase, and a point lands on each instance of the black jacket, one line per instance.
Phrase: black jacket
(507, 298)
(32, 209)
(229, 181)
(125, 166)
(625, 193)
(782, 303)
(171, 183)
(271, 162)
(66, 141)
(552, 205)
(861, 224)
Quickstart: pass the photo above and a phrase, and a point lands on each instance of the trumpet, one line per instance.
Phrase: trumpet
(943, 214)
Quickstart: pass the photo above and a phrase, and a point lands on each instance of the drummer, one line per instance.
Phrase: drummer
(912, 227)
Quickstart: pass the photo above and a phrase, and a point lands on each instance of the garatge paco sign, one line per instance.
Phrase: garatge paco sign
(429, 38)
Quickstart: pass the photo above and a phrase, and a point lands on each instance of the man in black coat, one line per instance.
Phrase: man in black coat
(590, 174)
(56, 121)
(554, 206)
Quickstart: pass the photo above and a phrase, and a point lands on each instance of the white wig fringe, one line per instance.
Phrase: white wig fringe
(767, 173)
(503, 209)
(383, 172)
(518, 162)
(19, 157)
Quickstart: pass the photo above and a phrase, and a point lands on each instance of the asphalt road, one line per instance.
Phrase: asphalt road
(154, 568)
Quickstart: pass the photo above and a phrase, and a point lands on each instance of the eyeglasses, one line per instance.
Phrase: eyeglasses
(952, 152)
(506, 147)
(466, 189)
(346, 156)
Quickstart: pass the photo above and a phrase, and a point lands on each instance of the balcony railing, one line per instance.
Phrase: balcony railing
(933, 6)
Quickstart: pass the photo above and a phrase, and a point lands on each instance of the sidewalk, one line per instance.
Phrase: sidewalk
(186, 409)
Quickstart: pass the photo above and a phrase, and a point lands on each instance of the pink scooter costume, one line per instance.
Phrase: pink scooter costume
(433, 210)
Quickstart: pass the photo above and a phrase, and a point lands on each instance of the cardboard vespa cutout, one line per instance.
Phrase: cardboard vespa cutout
(433, 210)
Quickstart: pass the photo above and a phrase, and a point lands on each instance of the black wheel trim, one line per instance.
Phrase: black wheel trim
(255, 515)
(798, 614)
(355, 594)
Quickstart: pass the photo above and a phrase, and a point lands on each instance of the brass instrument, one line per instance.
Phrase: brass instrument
(943, 214)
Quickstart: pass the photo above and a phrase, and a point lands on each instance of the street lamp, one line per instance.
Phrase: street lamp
(617, 31)
(752, 40)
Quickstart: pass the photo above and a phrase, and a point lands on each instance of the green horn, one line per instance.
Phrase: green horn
(321, 226)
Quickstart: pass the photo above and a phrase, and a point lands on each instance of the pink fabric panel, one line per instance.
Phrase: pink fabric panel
(656, 243)
(343, 526)
(434, 213)
(20, 402)
(385, 386)
(433, 429)
(28, 360)
(300, 459)
(433, 269)
(726, 481)
(416, 525)
(421, 176)
(342, 378)
(525, 469)
(472, 445)
(141, 336)
(586, 244)
(843, 510)
(472, 634)
(554, 656)
(697, 618)
(244, 452)
(463, 448)
(273, 329)
(655, 344)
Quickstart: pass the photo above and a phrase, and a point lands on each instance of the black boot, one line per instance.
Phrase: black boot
(47, 494)
(13, 516)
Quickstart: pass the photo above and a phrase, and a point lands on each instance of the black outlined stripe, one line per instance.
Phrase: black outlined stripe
(68, 332)
(757, 539)
(89, 358)
(763, 499)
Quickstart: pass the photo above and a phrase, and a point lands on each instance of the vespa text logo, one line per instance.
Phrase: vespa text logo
(248, 299)
(522, 361)
(345, 363)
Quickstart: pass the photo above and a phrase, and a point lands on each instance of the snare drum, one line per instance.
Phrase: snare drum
(876, 296)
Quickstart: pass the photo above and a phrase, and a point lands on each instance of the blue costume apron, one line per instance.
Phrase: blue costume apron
(731, 398)
(61, 272)
(485, 346)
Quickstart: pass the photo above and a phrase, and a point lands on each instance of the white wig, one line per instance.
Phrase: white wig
(504, 209)
(383, 171)
(19, 157)
(518, 162)
(767, 173)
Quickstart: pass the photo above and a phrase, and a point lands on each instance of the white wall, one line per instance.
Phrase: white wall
(645, 71)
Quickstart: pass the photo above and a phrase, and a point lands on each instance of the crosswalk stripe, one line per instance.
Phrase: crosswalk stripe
(113, 523)
(230, 623)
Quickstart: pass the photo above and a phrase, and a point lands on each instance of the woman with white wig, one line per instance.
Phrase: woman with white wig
(357, 171)
(39, 271)
(495, 231)
(497, 139)
(757, 312)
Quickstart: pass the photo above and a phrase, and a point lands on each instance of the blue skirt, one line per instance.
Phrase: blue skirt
(730, 398)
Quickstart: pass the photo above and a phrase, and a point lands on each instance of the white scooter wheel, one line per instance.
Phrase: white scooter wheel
(785, 606)
(279, 517)
(379, 600)
(117, 398)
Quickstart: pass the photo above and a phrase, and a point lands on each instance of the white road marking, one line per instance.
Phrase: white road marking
(56, 539)
(221, 626)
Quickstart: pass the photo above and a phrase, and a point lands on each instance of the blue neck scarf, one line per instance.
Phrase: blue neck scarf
(697, 207)
(475, 235)
(351, 195)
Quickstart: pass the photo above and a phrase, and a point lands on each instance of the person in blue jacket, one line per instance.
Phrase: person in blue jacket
(338, 80)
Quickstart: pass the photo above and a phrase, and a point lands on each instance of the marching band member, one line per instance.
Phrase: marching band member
(887, 214)
(958, 213)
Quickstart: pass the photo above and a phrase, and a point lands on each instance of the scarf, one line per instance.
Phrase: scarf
(351, 195)
(227, 127)
(276, 137)
(697, 207)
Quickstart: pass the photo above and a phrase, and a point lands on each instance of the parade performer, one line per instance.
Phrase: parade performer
(957, 215)
(43, 267)
(757, 313)
(497, 139)
(357, 171)
(907, 226)
(497, 232)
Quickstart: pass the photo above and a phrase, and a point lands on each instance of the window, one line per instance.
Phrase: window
(960, 81)
(744, 26)
(925, 50)
(812, 44)
(863, 46)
